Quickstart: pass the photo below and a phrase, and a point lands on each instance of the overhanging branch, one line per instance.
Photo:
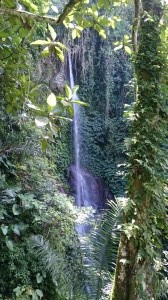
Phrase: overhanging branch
(39, 18)
(67, 9)
(25, 14)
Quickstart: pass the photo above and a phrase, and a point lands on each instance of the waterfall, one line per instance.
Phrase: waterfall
(82, 197)
(82, 193)
(76, 138)
(84, 181)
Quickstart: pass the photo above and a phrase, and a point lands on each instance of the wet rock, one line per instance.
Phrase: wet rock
(93, 191)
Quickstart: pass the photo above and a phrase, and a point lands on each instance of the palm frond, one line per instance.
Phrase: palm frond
(98, 256)
(103, 249)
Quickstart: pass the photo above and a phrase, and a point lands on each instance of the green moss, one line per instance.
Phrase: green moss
(102, 80)
(146, 172)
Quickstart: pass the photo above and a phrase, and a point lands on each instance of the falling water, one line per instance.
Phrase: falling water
(83, 197)
(76, 139)
(82, 194)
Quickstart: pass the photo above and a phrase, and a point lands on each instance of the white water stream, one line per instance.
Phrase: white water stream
(82, 194)
(83, 197)
(76, 138)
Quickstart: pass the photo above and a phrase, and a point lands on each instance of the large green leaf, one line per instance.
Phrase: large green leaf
(31, 105)
(52, 32)
(79, 102)
(41, 42)
(9, 244)
(45, 52)
(68, 92)
(118, 47)
(39, 293)
(65, 103)
(60, 45)
(16, 209)
(59, 53)
(4, 229)
(54, 8)
(16, 230)
(128, 50)
(39, 278)
(41, 121)
(51, 100)
(75, 89)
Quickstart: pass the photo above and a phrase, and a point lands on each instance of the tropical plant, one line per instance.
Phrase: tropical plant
(140, 256)
(145, 220)
(103, 246)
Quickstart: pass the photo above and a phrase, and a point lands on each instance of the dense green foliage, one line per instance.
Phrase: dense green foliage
(104, 77)
(32, 173)
(40, 254)
(145, 220)
(31, 204)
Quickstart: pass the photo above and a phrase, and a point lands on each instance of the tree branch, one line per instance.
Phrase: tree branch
(8, 149)
(67, 9)
(25, 14)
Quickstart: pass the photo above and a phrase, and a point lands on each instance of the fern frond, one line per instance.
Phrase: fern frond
(68, 280)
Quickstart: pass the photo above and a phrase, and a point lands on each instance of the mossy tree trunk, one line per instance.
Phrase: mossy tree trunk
(141, 242)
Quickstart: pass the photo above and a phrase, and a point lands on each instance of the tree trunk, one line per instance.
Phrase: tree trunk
(140, 242)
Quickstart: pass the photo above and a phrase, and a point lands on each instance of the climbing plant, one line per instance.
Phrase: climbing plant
(144, 222)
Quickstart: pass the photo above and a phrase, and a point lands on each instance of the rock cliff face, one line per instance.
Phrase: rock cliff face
(51, 72)
(96, 194)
